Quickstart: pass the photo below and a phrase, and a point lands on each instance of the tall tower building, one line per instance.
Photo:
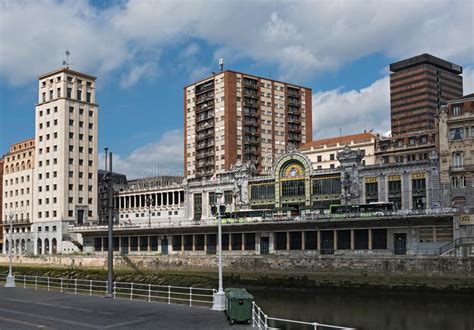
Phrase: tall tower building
(418, 87)
(65, 180)
(235, 117)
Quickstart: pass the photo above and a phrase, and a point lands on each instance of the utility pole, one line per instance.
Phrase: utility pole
(10, 282)
(110, 247)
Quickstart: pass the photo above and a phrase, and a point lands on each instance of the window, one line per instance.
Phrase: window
(457, 110)
(456, 133)
(458, 160)
(69, 92)
(331, 157)
(293, 188)
(320, 158)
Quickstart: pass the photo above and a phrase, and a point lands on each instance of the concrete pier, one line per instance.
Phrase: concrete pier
(27, 309)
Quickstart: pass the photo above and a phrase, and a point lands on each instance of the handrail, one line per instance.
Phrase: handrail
(457, 242)
(261, 321)
(129, 290)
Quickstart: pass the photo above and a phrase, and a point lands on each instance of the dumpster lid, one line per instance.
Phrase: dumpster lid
(238, 293)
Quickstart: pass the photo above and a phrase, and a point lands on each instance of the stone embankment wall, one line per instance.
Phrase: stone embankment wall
(376, 265)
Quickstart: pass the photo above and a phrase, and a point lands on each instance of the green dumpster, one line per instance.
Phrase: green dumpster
(238, 305)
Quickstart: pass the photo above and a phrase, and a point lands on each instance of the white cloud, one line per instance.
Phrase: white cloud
(137, 72)
(352, 111)
(163, 157)
(302, 38)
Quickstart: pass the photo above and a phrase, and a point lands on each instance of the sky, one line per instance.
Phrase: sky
(144, 52)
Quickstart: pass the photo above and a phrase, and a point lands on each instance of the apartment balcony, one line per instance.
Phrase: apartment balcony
(204, 98)
(250, 83)
(251, 133)
(250, 94)
(204, 126)
(294, 110)
(294, 129)
(205, 145)
(294, 119)
(204, 87)
(293, 102)
(252, 113)
(205, 106)
(204, 116)
(206, 135)
(292, 93)
(201, 155)
(251, 123)
(250, 103)
(204, 164)
(294, 138)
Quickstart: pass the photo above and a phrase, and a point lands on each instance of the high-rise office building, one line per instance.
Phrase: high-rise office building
(235, 117)
(418, 87)
(65, 177)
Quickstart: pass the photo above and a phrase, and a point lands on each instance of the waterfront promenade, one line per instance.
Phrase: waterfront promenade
(27, 309)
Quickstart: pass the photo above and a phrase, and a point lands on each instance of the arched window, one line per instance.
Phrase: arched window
(39, 246)
(54, 246)
(46, 246)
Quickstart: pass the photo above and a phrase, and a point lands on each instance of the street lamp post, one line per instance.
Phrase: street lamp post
(219, 297)
(10, 282)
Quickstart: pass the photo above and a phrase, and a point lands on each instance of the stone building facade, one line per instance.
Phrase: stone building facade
(456, 147)
(18, 195)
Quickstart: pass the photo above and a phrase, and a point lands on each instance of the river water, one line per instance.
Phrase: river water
(370, 310)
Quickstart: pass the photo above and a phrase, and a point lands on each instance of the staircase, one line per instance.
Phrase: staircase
(452, 246)
(130, 263)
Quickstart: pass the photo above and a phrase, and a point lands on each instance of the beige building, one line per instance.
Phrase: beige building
(456, 148)
(235, 117)
(18, 194)
(323, 153)
(65, 180)
(405, 148)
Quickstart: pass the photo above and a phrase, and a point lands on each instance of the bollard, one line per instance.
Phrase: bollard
(48, 282)
(115, 288)
(169, 294)
(36, 282)
(90, 288)
(24, 281)
(149, 292)
(61, 285)
(131, 291)
(75, 286)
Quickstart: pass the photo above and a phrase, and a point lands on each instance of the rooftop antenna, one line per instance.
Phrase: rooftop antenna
(66, 62)
(221, 64)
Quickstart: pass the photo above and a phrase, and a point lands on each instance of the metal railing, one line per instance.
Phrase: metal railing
(174, 223)
(134, 291)
(454, 244)
(263, 321)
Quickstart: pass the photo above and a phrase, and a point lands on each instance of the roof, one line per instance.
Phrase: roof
(465, 97)
(425, 59)
(246, 75)
(67, 70)
(339, 139)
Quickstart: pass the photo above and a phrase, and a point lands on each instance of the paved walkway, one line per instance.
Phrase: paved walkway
(27, 309)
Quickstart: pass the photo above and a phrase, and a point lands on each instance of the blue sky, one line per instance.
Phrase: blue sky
(145, 52)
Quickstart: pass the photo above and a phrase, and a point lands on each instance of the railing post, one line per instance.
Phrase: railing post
(24, 281)
(36, 282)
(61, 285)
(169, 294)
(266, 321)
(253, 313)
(90, 288)
(114, 288)
(190, 296)
(48, 282)
(259, 318)
(315, 326)
(131, 291)
(75, 286)
(149, 292)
